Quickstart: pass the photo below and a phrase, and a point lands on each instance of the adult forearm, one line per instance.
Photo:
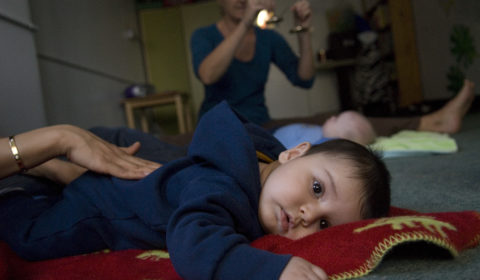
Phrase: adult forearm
(306, 68)
(33, 147)
(214, 66)
(58, 170)
(79, 146)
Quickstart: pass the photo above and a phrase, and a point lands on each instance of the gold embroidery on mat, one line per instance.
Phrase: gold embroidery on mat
(398, 223)
(384, 246)
(104, 251)
(476, 240)
(154, 255)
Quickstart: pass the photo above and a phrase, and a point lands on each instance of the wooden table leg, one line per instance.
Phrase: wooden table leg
(188, 117)
(144, 121)
(143, 103)
(129, 114)
(180, 114)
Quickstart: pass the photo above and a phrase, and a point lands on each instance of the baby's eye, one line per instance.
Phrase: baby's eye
(317, 188)
(323, 224)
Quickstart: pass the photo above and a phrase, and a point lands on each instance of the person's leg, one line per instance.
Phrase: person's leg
(94, 212)
(448, 119)
(388, 126)
(36, 234)
(30, 184)
(383, 126)
(50, 225)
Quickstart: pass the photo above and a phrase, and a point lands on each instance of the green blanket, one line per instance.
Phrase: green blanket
(410, 143)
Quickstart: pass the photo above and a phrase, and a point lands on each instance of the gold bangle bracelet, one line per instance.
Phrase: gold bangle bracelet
(301, 29)
(16, 154)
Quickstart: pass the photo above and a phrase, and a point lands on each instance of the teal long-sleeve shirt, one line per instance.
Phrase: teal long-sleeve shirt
(243, 84)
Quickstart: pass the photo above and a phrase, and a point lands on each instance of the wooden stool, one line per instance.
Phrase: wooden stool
(154, 100)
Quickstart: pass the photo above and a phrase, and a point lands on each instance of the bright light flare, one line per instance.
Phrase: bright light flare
(263, 17)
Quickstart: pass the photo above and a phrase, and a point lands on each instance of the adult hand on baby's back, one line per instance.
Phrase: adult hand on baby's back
(91, 152)
(298, 268)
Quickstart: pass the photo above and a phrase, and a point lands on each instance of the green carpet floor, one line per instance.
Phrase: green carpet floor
(437, 183)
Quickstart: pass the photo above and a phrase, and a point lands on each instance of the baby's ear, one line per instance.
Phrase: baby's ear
(294, 152)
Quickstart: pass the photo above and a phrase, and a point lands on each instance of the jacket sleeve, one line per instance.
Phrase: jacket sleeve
(208, 236)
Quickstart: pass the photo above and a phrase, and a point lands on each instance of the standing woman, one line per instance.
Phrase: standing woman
(232, 57)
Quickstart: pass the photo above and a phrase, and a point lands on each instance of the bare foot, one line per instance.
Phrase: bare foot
(448, 119)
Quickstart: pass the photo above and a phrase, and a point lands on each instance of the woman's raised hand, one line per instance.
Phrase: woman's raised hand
(302, 13)
(255, 6)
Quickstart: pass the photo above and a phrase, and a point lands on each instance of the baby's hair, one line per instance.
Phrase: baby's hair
(370, 169)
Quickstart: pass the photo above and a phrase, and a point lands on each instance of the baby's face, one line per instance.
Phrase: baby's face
(306, 194)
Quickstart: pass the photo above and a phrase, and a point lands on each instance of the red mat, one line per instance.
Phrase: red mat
(344, 252)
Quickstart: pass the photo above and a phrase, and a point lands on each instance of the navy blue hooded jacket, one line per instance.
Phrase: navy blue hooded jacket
(203, 208)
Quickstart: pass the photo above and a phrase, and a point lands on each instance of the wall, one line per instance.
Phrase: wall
(210, 14)
(434, 21)
(21, 102)
(166, 36)
(162, 33)
(87, 58)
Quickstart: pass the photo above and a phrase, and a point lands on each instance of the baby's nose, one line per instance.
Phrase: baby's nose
(310, 213)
